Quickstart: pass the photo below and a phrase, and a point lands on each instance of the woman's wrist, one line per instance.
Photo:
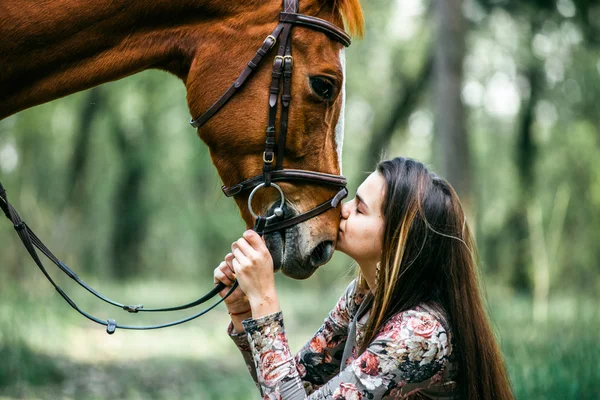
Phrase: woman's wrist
(237, 319)
(238, 307)
(239, 313)
(266, 304)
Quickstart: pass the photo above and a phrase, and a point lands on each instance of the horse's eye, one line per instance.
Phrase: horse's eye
(322, 87)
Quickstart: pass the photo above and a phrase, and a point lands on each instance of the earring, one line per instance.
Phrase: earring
(377, 273)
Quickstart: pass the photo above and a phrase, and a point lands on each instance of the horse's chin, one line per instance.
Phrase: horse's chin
(298, 270)
(295, 250)
(283, 249)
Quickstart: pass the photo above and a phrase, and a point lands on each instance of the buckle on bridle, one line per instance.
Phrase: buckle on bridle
(270, 160)
(133, 308)
(111, 326)
(274, 40)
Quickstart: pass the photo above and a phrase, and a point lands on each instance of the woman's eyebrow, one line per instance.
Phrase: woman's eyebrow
(361, 200)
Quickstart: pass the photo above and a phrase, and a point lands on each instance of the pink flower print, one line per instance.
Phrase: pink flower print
(369, 364)
(274, 367)
(317, 343)
(423, 325)
(389, 331)
(272, 396)
(280, 342)
(346, 391)
(352, 357)
(339, 312)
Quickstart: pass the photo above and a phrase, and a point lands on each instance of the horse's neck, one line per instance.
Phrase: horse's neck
(49, 49)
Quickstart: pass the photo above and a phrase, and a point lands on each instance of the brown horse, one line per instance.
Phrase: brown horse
(52, 48)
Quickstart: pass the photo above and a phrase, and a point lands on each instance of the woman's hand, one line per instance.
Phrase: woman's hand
(253, 267)
(237, 303)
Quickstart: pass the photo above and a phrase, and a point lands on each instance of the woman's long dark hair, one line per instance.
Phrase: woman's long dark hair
(429, 256)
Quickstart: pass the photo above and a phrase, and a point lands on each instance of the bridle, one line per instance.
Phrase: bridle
(274, 151)
(281, 76)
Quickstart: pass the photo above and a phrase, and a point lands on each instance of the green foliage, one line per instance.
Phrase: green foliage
(23, 367)
(55, 354)
(121, 167)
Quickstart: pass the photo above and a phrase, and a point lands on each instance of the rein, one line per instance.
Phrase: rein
(274, 151)
(31, 242)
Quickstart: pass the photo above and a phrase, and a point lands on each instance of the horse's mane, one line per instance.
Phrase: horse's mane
(352, 14)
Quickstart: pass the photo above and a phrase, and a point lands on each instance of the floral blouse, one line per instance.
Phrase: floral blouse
(410, 357)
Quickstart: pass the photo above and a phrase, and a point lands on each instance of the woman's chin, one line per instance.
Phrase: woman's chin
(339, 245)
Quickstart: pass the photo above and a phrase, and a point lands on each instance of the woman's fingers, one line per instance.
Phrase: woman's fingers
(221, 276)
(254, 240)
(229, 272)
(239, 259)
(229, 262)
(245, 248)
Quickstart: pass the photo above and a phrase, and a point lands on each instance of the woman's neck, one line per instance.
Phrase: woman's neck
(368, 270)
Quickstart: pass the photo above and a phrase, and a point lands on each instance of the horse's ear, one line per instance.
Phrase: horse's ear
(352, 14)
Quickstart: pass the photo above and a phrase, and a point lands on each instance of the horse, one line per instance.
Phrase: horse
(50, 49)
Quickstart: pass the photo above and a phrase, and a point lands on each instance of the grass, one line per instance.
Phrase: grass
(48, 352)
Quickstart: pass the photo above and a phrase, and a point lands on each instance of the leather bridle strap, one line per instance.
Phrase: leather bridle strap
(252, 65)
(320, 209)
(278, 65)
(286, 18)
(317, 24)
(287, 175)
(31, 242)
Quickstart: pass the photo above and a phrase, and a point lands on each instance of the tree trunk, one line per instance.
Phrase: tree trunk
(404, 104)
(129, 210)
(452, 142)
(77, 165)
(526, 152)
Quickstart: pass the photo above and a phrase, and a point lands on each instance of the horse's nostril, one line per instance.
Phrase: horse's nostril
(322, 253)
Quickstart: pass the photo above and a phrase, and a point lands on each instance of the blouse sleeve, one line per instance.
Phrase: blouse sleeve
(241, 341)
(412, 347)
(320, 358)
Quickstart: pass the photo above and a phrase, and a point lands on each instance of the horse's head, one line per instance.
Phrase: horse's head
(236, 133)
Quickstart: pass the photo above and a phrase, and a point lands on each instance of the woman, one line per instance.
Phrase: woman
(412, 324)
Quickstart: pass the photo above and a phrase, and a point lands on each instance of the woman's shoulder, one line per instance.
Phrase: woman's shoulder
(412, 346)
(426, 325)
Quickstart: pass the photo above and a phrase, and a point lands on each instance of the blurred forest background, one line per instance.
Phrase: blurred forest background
(499, 96)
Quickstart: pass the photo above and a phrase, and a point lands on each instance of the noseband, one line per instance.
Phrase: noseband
(281, 76)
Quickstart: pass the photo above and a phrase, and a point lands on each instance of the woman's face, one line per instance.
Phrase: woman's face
(361, 229)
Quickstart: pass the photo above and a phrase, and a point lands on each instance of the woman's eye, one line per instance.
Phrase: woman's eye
(322, 87)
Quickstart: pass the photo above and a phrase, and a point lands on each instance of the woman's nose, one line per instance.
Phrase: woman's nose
(345, 210)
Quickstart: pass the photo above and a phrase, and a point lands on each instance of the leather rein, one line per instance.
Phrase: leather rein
(281, 76)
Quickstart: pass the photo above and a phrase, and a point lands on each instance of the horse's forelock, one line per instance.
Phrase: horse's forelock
(352, 14)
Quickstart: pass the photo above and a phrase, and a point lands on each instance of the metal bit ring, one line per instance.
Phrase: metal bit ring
(278, 212)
